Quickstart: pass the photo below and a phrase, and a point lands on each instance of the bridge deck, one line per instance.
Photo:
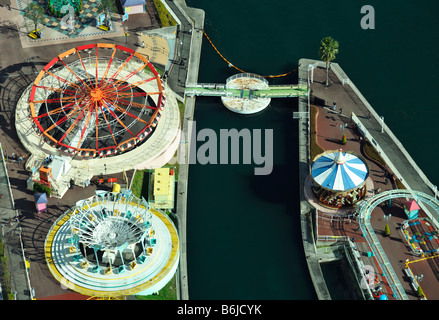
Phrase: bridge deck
(220, 90)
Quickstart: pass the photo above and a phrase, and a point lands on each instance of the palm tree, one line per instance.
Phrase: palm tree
(107, 7)
(35, 13)
(328, 50)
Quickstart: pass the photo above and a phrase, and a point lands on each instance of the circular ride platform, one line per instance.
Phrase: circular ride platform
(242, 99)
(104, 108)
(112, 245)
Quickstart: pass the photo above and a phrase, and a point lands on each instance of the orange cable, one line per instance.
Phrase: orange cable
(231, 65)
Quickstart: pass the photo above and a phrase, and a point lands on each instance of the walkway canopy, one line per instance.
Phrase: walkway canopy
(339, 171)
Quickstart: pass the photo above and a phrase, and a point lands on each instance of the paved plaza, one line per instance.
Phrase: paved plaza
(85, 23)
(21, 61)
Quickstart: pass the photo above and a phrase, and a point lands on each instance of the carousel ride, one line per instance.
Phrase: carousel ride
(246, 83)
(93, 103)
(112, 245)
(339, 178)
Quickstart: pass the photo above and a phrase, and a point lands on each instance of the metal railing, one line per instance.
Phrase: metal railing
(365, 209)
(247, 75)
(358, 269)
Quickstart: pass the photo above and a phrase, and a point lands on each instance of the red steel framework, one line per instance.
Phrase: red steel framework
(85, 103)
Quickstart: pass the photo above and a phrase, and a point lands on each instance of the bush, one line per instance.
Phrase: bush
(39, 188)
(420, 292)
(165, 18)
(387, 230)
(343, 139)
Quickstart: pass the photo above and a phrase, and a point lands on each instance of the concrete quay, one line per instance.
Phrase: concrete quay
(357, 111)
(190, 40)
(313, 258)
(11, 234)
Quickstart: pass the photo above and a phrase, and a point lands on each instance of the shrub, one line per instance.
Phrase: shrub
(420, 292)
(343, 139)
(39, 188)
(387, 230)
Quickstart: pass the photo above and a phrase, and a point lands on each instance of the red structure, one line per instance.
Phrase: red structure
(91, 101)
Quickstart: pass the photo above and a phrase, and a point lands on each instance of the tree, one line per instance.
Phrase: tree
(35, 13)
(387, 230)
(40, 188)
(328, 50)
(107, 7)
(420, 292)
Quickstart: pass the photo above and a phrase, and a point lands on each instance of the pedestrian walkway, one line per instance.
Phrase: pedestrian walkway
(188, 54)
(348, 98)
(155, 48)
(11, 236)
(220, 90)
(341, 109)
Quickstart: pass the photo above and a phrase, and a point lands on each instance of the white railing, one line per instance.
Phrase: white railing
(247, 75)
(344, 79)
(383, 154)
(19, 226)
(206, 85)
(365, 209)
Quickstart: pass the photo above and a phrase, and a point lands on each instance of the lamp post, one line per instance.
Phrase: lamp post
(382, 124)
(342, 127)
(89, 56)
(311, 68)
(387, 217)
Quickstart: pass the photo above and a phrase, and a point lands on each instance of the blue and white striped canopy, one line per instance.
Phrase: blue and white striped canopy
(339, 171)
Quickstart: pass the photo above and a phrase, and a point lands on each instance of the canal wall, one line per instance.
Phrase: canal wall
(191, 21)
(313, 257)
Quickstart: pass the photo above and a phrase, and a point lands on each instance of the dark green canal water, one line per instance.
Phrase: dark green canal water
(244, 238)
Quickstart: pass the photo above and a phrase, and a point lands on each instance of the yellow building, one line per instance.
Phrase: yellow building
(163, 188)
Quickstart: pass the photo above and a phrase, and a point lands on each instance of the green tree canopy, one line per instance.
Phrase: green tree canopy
(387, 230)
(327, 52)
(107, 7)
(35, 13)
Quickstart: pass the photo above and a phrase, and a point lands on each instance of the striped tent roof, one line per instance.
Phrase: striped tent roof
(339, 171)
(130, 3)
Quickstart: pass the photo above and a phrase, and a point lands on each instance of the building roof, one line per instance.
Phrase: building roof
(161, 181)
(412, 205)
(130, 3)
(339, 171)
(40, 198)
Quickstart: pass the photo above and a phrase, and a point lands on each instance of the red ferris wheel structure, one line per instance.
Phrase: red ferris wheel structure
(97, 100)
